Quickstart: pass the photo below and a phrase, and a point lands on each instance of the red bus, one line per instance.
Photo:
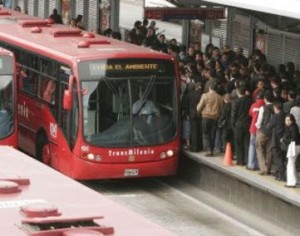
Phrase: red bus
(37, 200)
(8, 91)
(76, 101)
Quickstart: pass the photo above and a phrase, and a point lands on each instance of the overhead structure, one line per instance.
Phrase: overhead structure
(287, 8)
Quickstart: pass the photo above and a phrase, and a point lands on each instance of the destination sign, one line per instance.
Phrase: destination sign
(127, 67)
(168, 13)
(98, 68)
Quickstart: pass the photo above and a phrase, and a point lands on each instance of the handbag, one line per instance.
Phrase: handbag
(291, 152)
(284, 146)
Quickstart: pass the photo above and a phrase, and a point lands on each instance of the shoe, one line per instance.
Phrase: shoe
(290, 186)
(281, 179)
(240, 163)
(249, 168)
(263, 173)
(209, 154)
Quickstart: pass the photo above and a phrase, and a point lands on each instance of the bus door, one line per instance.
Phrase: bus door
(67, 120)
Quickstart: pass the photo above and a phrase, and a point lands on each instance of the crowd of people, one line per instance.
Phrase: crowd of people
(228, 98)
(243, 101)
(73, 22)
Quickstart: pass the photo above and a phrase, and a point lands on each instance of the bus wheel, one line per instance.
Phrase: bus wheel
(43, 150)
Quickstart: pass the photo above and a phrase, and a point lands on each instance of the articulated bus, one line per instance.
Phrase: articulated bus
(77, 109)
(8, 91)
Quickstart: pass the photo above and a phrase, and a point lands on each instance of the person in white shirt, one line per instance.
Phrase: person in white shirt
(145, 107)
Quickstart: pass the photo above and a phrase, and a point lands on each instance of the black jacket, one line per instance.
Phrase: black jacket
(240, 112)
(291, 133)
(276, 125)
(225, 118)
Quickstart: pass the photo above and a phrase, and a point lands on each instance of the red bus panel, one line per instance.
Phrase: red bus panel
(37, 200)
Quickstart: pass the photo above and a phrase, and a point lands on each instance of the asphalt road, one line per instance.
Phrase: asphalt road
(171, 208)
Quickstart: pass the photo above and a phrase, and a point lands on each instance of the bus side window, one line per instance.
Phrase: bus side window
(29, 83)
(22, 76)
(47, 91)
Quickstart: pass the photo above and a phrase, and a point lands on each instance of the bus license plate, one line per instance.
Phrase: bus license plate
(131, 172)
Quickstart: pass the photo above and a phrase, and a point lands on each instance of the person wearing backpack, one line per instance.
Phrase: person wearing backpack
(264, 133)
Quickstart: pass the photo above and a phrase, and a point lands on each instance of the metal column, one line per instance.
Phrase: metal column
(185, 38)
(115, 15)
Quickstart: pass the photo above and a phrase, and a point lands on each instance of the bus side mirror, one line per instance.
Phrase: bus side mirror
(67, 102)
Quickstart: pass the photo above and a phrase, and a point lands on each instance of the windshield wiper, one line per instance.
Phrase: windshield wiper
(149, 87)
(110, 85)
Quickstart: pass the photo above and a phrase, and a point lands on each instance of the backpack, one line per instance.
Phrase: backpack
(268, 113)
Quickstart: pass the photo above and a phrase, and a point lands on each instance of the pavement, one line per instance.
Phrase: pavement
(265, 183)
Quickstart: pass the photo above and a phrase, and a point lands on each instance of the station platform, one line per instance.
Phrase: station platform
(261, 196)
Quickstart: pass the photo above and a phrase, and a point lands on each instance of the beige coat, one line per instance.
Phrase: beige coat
(210, 105)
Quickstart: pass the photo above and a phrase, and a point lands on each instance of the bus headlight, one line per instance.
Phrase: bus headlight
(170, 153)
(91, 157)
(163, 155)
(98, 158)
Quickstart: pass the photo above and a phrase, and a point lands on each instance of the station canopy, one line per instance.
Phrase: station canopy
(287, 8)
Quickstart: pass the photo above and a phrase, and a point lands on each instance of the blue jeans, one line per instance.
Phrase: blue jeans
(252, 156)
(219, 142)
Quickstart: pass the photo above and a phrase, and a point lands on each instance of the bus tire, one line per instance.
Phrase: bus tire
(43, 152)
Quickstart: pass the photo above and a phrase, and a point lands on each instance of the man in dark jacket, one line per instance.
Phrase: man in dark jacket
(56, 17)
(240, 121)
(195, 120)
(276, 125)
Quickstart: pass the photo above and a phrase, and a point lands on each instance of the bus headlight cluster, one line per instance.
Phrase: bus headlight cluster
(91, 157)
(164, 155)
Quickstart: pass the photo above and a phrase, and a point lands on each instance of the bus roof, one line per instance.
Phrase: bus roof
(65, 42)
(34, 197)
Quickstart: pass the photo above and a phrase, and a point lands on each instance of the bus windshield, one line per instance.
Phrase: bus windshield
(130, 107)
(6, 105)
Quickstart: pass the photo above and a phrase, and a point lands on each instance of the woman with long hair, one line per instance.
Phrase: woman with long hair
(291, 139)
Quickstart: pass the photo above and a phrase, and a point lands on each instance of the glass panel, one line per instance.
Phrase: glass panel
(29, 80)
(129, 112)
(154, 110)
(106, 112)
(128, 102)
(47, 89)
(6, 105)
